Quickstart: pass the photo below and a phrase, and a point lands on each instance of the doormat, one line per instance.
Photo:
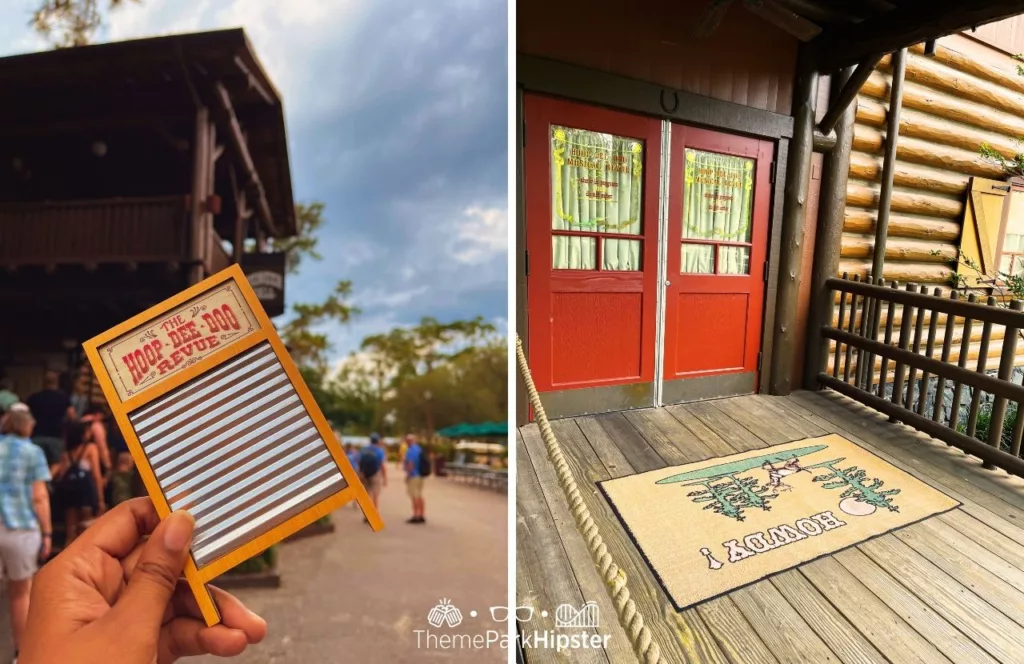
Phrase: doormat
(710, 527)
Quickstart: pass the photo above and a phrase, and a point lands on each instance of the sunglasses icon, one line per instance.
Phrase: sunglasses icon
(500, 613)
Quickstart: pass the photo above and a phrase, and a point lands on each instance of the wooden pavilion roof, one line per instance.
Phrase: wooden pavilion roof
(158, 80)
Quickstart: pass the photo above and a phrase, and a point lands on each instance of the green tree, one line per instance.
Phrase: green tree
(67, 23)
(307, 346)
(309, 218)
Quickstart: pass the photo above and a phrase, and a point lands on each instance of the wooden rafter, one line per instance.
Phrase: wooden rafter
(783, 18)
(711, 18)
(912, 22)
(240, 149)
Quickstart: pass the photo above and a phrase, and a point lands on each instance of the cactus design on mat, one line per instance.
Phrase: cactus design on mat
(727, 491)
(860, 490)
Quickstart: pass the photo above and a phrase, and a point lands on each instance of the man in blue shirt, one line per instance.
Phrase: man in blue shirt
(374, 468)
(24, 513)
(414, 479)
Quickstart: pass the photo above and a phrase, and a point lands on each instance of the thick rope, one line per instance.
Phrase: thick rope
(630, 619)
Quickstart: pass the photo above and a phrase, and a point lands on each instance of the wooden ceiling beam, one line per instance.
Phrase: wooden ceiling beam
(913, 22)
(240, 149)
(783, 18)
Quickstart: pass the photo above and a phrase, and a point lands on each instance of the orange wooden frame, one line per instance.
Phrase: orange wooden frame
(197, 578)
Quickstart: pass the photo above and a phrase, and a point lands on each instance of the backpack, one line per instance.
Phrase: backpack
(369, 462)
(424, 464)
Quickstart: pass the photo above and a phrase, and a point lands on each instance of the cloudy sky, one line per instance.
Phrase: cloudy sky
(397, 121)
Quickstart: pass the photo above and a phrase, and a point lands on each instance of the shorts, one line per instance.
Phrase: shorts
(375, 486)
(19, 552)
(52, 448)
(415, 486)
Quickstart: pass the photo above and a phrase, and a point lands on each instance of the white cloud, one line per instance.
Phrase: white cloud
(480, 235)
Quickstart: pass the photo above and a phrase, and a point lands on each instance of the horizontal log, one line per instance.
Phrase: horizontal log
(864, 166)
(936, 129)
(870, 140)
(944, 105)
(938, 76)
(970, 445)
(997, 334)
(917, 273)
(933, 365)
(979, 68)
(905, 201)
(973, 352)
(858, 220)
(900, 249)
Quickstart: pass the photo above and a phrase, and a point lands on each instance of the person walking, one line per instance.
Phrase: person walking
(25, 531)
(417, 467)
(79, 483)
(50, 407)
(7, 396)
(373, 468)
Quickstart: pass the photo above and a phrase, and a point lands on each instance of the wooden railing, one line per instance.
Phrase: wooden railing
(97, 231)
(910, 370)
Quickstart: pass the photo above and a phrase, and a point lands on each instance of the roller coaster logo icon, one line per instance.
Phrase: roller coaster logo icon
(586, 616)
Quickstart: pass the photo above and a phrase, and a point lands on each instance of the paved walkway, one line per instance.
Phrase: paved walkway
(355, 596)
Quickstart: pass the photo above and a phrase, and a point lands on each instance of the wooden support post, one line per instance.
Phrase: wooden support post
(828, 236)
(243, 159)
(242, 214)
(842, 99)
(798, 175)
(892, 137)
(201, 164)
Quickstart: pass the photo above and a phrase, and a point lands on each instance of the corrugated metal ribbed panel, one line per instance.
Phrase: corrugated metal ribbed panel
(237, 449)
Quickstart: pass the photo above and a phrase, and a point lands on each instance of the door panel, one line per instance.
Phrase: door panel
(719, 197)
(591, 183)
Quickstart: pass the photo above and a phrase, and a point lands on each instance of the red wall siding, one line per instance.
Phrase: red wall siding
(746, 60)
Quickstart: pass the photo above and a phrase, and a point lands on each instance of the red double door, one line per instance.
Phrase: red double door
(626, 272)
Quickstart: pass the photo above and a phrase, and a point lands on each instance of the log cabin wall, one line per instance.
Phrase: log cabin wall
(966, 94)
(745, 60)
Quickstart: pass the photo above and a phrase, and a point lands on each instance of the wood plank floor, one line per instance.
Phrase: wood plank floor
(949, 589)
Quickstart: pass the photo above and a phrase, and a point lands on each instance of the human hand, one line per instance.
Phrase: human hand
(115, 597)
(46, 548)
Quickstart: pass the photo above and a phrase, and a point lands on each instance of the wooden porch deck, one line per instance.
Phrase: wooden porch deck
(948, 589)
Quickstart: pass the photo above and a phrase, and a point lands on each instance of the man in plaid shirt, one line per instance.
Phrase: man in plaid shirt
(24, 513)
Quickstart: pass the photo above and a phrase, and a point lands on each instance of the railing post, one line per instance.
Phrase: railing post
(865, 324)
(922, 391)
(901, 369)
(890, 318)
(839, 326)
(853, 326)
(918, 329)
(965, 347)
(1006, 359)
(986, 337)
(947, 345)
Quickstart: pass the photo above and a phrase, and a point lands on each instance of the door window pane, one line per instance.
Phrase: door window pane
(698, 259)
(570, 252)
(620, 255)
(717, 196)
(733, 260)
(596, 181)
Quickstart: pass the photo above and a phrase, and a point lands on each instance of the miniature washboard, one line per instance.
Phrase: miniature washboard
(221, 424)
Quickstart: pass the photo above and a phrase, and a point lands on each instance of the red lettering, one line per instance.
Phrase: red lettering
(232, 319)
(133, 368)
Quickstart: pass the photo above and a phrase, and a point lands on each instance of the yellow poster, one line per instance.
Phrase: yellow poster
(161, 348)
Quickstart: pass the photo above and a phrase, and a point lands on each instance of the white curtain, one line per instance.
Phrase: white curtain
(717, 198)
(595, 186)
